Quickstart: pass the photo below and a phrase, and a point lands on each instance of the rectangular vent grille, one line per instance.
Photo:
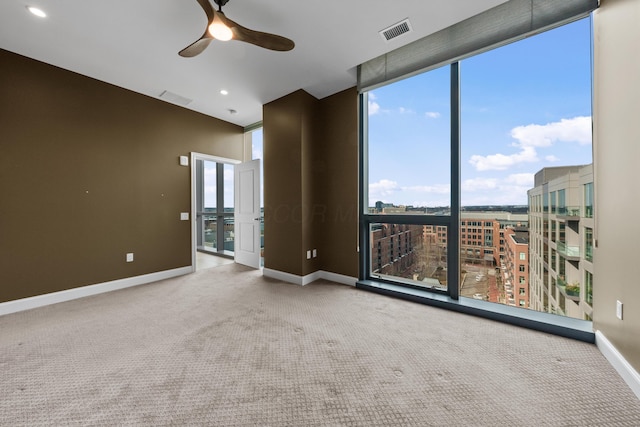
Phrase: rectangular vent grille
(174, 98)
(396, 30)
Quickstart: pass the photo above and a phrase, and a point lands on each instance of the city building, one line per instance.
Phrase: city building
(482, 235)
(561, 241)
(488, 240)
(515, 267)
(407, 251)
(482, 238)
(392, 251)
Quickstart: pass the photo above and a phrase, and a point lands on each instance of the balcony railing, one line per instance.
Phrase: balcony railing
(572, 291)
(571, 211)
(569, 252)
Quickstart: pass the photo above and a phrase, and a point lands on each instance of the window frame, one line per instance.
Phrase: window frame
(539, 320)
(451, 221)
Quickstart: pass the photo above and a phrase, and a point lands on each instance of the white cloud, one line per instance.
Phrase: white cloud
(511, 190)
(374, 108)
(431, 189)
(521, 179)
(388, 191)
(383, 189)
(479, 184)
(577, 129)
(530, 137)
(502, 161)
(432, 115)
(403, 110)
(551, 158)
(209, 195)
(210, 172)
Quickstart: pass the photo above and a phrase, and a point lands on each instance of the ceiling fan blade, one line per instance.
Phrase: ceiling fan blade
(199, 45)
(258, 38)
(208, 9)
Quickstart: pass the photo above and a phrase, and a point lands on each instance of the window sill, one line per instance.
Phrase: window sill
(568, 327)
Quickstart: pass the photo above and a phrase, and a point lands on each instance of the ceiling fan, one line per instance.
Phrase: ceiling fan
(219, 27)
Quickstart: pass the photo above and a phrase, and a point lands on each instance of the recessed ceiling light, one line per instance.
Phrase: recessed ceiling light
(38, 12)
(224, 92)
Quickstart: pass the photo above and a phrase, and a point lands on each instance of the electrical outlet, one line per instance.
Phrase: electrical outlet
(619, 310)
(130, 257)
(315, 253)
(184, 216)
(308, 254)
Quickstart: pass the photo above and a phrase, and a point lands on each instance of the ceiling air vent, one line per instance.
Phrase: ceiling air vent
(396, 30)
(174, 98)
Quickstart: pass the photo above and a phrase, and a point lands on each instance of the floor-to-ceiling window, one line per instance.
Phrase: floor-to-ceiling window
(409, 134)
(473, 173)
(526, 131)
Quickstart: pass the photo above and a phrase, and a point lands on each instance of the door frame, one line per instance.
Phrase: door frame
(194, 229)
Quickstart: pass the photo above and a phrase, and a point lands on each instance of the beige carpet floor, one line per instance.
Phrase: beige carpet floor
(227, 347)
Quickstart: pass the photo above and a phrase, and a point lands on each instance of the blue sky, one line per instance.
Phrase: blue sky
(525, 106)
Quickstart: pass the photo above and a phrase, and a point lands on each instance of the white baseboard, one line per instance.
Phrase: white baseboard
(338, 278)
(281, 275)
(620, 364)
(311, 277)
(85, 291)
(305, 280)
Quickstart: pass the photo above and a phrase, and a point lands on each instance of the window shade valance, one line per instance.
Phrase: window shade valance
(508, 22)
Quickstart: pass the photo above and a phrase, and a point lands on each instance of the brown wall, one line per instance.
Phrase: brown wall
(283, 175)
(89, 172)
(310, 188)
(616, 154)
(338, 183)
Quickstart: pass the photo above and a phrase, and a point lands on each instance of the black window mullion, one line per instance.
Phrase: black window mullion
(200, 239)
(220, 206)
(453, 237)
(364, 236)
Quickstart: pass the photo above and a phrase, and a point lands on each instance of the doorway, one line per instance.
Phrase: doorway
(226, 212)
(213, 231)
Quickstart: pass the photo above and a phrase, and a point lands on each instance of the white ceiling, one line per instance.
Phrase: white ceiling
(134, 44)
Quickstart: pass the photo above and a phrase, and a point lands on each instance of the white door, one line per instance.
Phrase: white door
(247, 213)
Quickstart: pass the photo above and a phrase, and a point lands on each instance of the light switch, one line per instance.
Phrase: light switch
(619, 310)
(184, 216)
(184, 161)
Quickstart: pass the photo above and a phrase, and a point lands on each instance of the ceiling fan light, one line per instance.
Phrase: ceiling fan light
(38, 12)
(220, 31)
